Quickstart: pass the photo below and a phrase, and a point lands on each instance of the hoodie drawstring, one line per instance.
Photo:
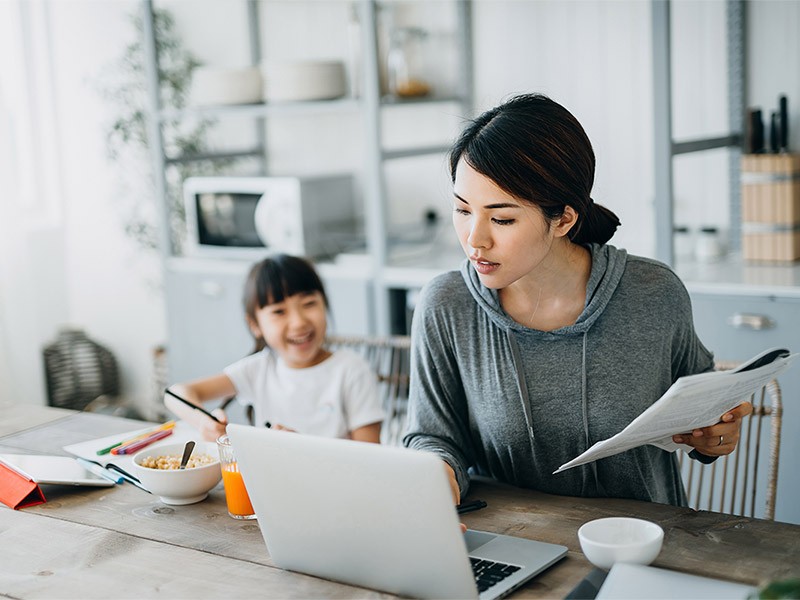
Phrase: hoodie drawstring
(522, 387)
(585, 406)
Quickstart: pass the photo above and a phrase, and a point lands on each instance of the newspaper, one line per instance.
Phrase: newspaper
(691, 402)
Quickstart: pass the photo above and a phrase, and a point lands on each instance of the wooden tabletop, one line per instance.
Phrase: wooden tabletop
(121, 542)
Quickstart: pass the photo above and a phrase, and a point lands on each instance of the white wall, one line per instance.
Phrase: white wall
(64, 258)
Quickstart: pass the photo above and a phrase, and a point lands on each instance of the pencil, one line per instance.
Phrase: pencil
(141, 436)
(131, 448)
(193, 405)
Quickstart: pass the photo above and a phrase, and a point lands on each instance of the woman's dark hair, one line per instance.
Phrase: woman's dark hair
(535, 149)
(276, 278)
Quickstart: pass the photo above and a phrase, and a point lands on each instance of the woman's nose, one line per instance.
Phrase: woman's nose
(478, 235)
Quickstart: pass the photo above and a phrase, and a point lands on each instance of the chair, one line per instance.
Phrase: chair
(733, 484)
(389, 357)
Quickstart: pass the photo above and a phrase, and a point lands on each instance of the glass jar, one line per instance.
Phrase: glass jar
(408, 63)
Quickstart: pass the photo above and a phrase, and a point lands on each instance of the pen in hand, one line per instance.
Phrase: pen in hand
(192, 405)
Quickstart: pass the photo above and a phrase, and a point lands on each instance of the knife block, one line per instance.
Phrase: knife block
(771, 207)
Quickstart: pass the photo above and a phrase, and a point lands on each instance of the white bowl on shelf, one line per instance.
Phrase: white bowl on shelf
(215, 86)
(620, 539)
(175, 486)
(286, 81)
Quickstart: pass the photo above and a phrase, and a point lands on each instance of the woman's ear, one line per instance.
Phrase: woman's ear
(566, 222)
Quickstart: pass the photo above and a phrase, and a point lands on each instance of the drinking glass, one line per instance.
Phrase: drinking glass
(239, 506)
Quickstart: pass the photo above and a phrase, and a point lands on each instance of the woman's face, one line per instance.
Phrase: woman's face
(504, 238)
(294, 328)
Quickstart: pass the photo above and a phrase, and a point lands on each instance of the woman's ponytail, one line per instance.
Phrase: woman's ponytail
(596, 226)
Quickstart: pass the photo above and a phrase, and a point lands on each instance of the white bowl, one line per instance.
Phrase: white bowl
(212, 86)
(304, 80)
(175, 486)
(620, 539)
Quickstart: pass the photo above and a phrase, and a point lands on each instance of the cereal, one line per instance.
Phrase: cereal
(173, 461)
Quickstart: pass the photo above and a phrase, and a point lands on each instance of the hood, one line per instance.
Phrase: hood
(608, 265)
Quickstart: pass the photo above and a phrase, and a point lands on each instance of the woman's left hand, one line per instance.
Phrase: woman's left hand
(718, 439)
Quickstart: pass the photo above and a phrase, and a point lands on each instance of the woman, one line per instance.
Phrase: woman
(548, 340)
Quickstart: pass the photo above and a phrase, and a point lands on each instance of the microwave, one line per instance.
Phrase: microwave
(250, 217)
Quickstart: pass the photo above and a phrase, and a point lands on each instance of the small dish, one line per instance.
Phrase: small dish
(620, 539)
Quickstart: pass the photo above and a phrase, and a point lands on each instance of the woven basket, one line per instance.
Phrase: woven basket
(79, 370)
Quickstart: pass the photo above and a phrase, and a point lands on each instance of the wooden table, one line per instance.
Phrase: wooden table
(121, 542)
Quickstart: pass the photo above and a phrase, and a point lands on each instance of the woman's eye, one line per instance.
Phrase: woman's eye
(460, 211)
(504, 221)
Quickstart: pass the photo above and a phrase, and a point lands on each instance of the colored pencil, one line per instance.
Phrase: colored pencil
(135, 446)
(141, 436)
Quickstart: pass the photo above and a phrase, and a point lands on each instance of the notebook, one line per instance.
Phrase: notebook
(374, 516)
(640, 582)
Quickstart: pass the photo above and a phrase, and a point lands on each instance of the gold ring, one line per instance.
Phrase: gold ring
(720, 441)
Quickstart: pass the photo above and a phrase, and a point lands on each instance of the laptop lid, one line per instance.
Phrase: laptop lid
(375, 516)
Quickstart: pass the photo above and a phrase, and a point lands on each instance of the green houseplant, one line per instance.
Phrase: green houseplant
(124, 86)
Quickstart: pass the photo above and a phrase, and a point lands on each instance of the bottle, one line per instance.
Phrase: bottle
(682, 243)
(708, 247)
(407, 63)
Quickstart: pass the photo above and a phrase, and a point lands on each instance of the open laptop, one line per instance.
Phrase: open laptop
(375, 516)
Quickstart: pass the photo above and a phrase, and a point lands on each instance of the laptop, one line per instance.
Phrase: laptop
(375, 516)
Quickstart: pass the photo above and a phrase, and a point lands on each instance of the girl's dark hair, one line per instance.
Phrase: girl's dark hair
(276, 278)
(535, 149)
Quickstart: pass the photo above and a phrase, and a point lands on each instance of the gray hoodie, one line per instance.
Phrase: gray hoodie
(514, 403)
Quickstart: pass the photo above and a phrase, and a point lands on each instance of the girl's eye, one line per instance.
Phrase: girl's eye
(310, 303)
(504, 221)
(278, 311)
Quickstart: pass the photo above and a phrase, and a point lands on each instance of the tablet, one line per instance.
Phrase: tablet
(56, 470)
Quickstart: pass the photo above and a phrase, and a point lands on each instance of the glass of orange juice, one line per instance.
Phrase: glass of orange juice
(239, 506)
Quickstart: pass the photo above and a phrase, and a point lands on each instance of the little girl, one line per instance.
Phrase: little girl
(291, 381)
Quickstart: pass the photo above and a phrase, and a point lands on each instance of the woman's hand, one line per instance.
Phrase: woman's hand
(718, 439)
(451, 476)
(280, 427)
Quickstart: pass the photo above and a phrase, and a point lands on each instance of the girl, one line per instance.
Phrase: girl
(291, 381)
(548, 340)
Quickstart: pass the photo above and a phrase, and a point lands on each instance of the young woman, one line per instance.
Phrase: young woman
(291, 381)
(548, 340)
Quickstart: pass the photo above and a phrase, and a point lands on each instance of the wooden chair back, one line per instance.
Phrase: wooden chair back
(389, 357)
(737, 484)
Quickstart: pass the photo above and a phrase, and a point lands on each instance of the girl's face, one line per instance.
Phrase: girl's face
(294, 328)
(504, 238)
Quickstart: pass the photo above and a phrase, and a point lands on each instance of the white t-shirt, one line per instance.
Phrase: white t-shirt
(330, 399)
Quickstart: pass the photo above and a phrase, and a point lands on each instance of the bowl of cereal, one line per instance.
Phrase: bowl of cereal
(157, 467)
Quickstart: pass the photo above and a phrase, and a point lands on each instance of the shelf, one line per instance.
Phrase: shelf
(417, 151)
(177, 160)
(395, 101)
(265, 109)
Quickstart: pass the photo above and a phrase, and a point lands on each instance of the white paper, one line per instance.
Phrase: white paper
(691, 402)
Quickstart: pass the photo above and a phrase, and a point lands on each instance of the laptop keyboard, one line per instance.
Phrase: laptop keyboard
(488, 573)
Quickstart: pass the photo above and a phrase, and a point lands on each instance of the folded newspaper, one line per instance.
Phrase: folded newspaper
(691, 402)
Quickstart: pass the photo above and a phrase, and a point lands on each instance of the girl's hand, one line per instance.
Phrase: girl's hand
(209, 429)
(718, 439)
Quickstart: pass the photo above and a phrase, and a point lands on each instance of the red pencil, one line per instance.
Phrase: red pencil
(131, 448)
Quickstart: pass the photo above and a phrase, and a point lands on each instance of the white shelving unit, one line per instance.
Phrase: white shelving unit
(207, 292)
